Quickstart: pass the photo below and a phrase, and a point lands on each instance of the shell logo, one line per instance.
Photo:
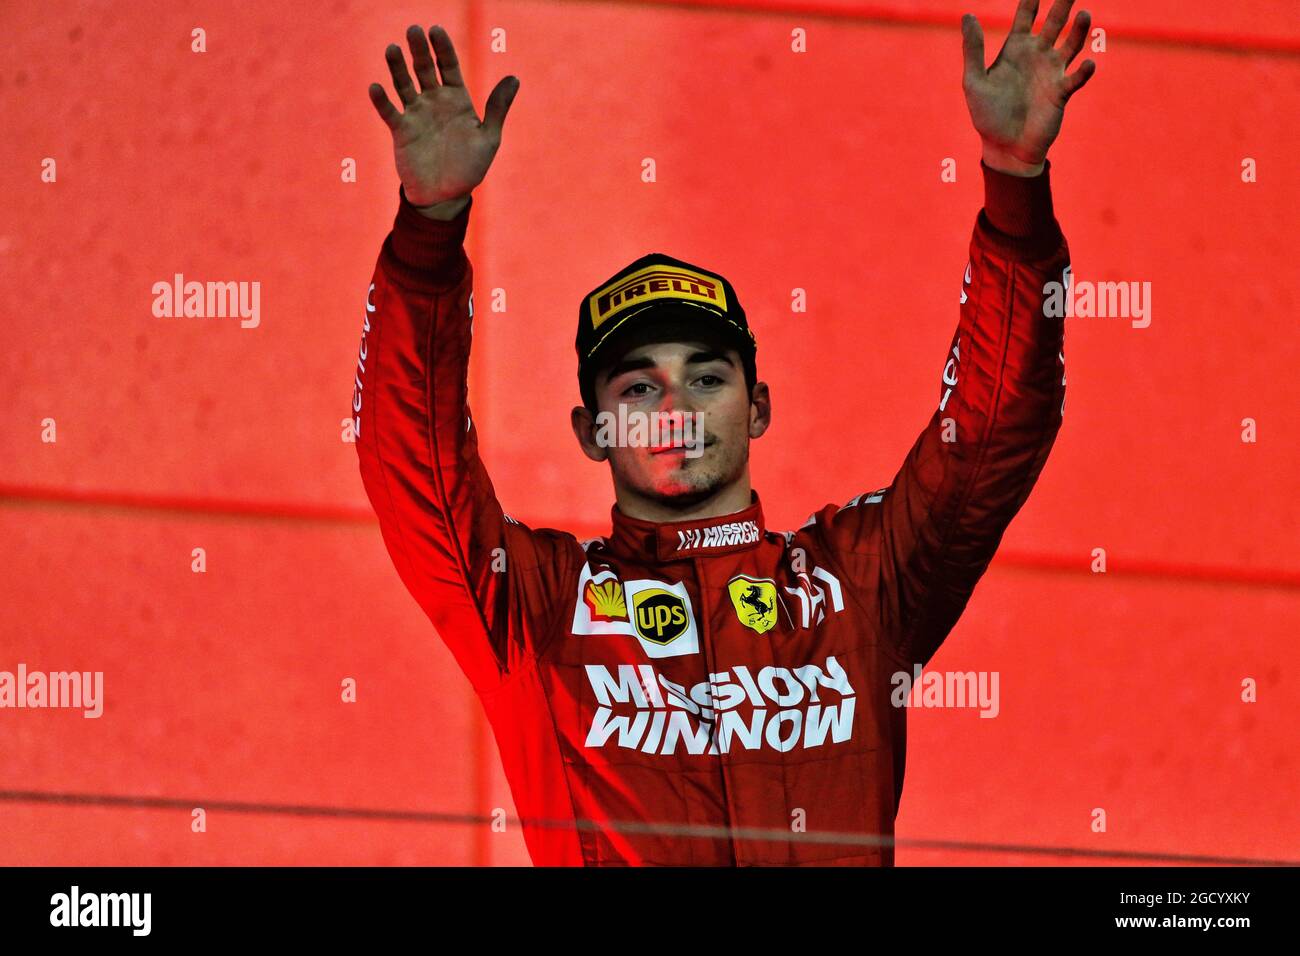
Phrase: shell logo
(605, 601)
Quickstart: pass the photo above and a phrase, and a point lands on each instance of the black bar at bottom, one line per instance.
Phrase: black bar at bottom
(584, 909)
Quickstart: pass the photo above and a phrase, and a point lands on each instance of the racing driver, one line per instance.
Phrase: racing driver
(695, 689)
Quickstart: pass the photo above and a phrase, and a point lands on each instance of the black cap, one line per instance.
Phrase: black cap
(658, 288)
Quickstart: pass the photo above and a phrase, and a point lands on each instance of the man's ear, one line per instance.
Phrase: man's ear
(760, 410)
(585, 429)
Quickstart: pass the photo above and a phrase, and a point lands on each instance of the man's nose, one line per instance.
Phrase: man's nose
(677, 403)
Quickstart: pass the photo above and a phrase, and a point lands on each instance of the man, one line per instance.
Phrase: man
(694, 688)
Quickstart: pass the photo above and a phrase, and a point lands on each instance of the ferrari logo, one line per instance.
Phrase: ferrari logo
(755, 602)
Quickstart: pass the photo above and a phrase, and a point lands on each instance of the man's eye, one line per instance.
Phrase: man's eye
(715, 380)
(629, 389)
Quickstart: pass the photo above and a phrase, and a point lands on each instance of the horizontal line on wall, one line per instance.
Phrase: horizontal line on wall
(182, 505)
(884, 15)
(118, 801)
(1118, 566)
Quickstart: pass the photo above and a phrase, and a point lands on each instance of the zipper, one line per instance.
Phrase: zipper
(711, 668)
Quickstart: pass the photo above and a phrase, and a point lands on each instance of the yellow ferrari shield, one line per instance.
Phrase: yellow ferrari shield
(755, 602)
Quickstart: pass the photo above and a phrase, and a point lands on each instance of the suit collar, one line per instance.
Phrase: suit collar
(683, 540)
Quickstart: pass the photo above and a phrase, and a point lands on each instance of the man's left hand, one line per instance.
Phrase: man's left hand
(1018, 103)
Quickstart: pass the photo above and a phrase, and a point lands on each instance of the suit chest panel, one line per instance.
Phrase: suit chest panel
(749, 652)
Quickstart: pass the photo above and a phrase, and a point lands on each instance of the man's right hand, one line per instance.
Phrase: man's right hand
(441, 148)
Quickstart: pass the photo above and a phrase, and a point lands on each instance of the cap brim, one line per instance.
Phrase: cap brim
(668, 324)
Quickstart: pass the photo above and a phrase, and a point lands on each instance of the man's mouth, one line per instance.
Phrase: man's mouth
(679, 446)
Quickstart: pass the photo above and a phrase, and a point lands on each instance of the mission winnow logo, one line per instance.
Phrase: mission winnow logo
(717, 536)
(778, 708)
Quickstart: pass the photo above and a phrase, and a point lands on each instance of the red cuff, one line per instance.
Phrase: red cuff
(1020, 209)
(428, 250)
(1019, 205)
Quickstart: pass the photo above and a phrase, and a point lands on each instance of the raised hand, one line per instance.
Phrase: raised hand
(441, 147)
(1017, 104)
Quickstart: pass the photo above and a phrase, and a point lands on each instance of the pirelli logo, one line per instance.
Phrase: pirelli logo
(655, 282)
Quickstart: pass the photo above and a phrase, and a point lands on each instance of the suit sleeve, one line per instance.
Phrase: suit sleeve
(917, 547)
(487, 582)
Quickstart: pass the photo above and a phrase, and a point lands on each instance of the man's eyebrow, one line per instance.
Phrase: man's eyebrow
(709, 355)
(695, 358)
(626, 365)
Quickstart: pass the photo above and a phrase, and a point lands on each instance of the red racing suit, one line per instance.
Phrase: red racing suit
(707, 692)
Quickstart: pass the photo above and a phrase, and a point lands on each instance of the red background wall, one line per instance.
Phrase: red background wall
(818, 171)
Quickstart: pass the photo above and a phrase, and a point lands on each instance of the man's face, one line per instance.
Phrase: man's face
(696, 391)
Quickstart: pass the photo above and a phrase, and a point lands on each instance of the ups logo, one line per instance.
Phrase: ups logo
(660, 616)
